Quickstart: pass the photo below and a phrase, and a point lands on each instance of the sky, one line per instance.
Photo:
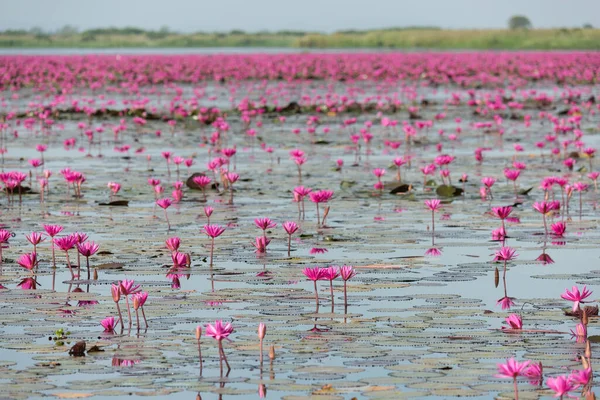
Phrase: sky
(306, 15)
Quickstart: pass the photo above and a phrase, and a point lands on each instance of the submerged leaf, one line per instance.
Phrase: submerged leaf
(448, 191)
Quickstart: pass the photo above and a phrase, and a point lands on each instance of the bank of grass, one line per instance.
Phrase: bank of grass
(541, 39)
(428, 38)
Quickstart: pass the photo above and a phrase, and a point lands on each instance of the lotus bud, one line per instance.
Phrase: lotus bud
(496, 277)
(116, 293)
(588, 349)
(272, 352)
(590, 395)
(262, 331)
(198, 332)
(262, 391)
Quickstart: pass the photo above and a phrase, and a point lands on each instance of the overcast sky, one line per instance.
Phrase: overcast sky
(317, 15)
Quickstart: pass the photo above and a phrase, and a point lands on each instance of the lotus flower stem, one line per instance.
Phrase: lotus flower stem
(69, 265)
(120, 315)
(212, 248)
(545, 224)
(222, 354)
(331, 290)
(200, 355)
(87, 263)
(137, 317)
(144, 315)
(128, 311)
(318, 216)
(167, 218)
(53, 254)
(261, 351)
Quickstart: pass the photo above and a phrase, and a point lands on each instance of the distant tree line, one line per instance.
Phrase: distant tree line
(514, 23)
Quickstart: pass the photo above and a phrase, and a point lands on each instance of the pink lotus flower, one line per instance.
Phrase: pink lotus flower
(218, 331)
(488, 182)
(302, 191)
(28, 284)
(87, 249)
(213, 231)
(34, 238)
(318, 250)
(576, 296)
(264, 223)
(53, 230)
(347, 272)
(535, 372)
(433, 252)
(499, 234)
(66, 243)
(173, 243)
(580, 333)
(4, 236)
(202, 181)
(559, 228)
(164, 203)
(514, 322)
(512, 369)
(502, 212)
(433, 204)
(314, 274)
(28, 261)
(109, 324)
(511, 174)
(80, 237)
(379, 172)
(330, 273)
(290, 227)
(261, 243)
(505, 254)
(545, 207)
(581, 378)
(232, 177)
(139, 299)
(560, 385)
(545, 259)
(114, 187)
(505, 302)
(127, 287)
(179, 259)
(321, 196)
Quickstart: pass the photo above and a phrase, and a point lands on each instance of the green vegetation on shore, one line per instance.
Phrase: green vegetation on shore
(392, 38)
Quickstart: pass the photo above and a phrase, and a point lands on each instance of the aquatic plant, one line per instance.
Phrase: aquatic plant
(87, 250)
(218, 331)
(164, 204)
(213, 231)
(513, 369)
(290, 228)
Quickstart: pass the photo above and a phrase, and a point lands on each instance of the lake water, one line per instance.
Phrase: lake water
(415, 325)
